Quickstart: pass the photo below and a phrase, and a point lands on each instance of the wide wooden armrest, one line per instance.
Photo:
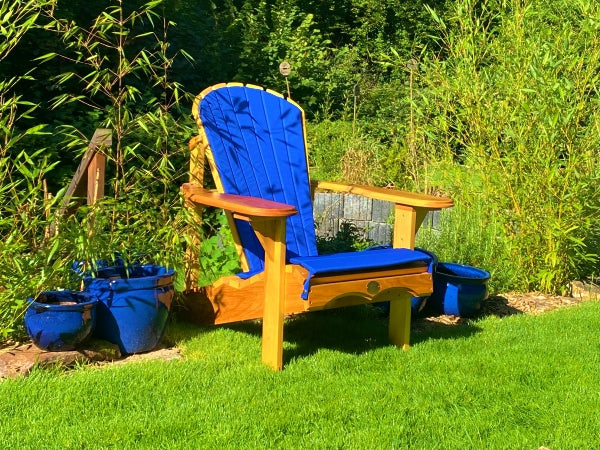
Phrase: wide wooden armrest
(396, 196)
(240, 204)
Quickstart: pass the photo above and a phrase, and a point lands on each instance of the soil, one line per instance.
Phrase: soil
(512, 303)
(19, 359)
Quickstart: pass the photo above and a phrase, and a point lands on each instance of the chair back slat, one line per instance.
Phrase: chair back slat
(257, 142)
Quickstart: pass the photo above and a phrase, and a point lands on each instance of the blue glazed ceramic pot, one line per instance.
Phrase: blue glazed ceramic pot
(459, 289)
(60, 320)
(134, 304)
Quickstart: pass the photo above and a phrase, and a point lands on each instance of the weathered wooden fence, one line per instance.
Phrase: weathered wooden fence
(373, 217)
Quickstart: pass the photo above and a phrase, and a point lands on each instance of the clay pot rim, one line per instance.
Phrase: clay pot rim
(69, 301)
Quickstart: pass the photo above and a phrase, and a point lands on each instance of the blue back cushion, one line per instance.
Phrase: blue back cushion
(257, 141)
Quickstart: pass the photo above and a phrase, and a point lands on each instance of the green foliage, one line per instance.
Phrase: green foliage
(218, 253)
(118, 74)
(349, 238)
(16, 19)
(28, 256)
(120, 68)
(327, 144)
(273, 33)
(514, 103)
(350, 151)
(473, 235)
(331, 47)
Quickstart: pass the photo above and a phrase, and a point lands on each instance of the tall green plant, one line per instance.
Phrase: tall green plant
(514, 102)
(121, 68)
(27, 252)
(119, 76)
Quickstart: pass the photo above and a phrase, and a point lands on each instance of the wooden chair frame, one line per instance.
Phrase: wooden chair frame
(272, 294)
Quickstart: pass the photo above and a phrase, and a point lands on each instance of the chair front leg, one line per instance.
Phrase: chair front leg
(272, 237)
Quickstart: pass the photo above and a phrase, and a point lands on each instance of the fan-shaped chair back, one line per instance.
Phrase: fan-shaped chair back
(257, 143)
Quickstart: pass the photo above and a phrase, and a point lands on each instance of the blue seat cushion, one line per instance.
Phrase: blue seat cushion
(381, 258)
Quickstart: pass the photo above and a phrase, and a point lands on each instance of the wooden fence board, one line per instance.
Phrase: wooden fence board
(370, 216)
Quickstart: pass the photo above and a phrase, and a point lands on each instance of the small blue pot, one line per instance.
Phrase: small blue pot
(60, 320)
(458, 289)
(134, 305)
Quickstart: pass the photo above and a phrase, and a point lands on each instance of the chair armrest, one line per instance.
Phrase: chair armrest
(396, 196)
(239, 204)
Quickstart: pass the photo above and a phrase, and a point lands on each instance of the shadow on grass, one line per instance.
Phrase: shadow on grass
(432, 325)
(499, 306)
(353, 330)
(359, 329)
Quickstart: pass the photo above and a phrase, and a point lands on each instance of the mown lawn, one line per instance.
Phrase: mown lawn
(517, 382)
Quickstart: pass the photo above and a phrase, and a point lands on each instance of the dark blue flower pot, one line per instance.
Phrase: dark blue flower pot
(134, 305)
(458, 289)
(60, 320)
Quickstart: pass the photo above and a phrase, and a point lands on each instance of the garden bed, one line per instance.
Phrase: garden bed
(517, 303)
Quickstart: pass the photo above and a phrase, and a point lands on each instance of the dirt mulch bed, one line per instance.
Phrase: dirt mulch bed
(532, 303)
(506, 305)
(19, 359)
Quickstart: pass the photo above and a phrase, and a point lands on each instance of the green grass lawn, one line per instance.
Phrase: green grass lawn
(517, 383)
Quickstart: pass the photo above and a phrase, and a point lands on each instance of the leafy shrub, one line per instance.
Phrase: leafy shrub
(347, 151)
(142, 218)
(472, 235)
(349, 238)
(514, 102)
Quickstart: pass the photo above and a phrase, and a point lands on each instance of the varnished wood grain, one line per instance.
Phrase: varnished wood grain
(391, 195)
(242, 205)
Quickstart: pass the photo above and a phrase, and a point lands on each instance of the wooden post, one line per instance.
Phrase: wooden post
(197, 156)
(92, 166)
(95, 178)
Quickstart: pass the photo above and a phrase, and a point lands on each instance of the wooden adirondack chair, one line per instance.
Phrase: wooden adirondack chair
(254, 141)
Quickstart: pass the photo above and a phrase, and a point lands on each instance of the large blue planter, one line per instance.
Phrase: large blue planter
(458, 289)
(60, 320)
(134, 305)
